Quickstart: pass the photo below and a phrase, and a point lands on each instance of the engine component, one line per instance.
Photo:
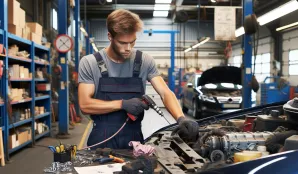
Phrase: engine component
(247, 127)
(291, 143)
(276, 142)
(246, 156)
(271, 122)
(217, 155)
(291, 110)
(239, 123)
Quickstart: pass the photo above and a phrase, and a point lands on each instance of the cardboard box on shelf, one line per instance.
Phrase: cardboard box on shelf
(22, 72)
(13, 142)
(26, 73)
(48, 45)
(35, 38)
(13, 12)
(22, 18)
(15, 29)
(16, 70)
(35, 28)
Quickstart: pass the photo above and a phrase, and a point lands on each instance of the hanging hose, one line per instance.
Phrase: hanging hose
(107, 138)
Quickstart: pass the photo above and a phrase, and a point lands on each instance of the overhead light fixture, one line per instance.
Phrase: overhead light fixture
(164, 7)
(239, 32)
(278, 12)
(287, 26)
(213, 1)
(160, 13)
(201, 43)
(187, 50)
(163, 1)
(109, 0)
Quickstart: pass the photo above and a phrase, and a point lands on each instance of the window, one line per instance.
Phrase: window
(55, 19)
(293, 62)
(262, 66)
(236, 61)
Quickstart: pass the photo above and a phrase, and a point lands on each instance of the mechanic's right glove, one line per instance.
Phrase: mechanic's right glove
(134, 106)
(187, 129)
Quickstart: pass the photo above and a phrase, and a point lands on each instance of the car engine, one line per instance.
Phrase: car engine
(226, 142)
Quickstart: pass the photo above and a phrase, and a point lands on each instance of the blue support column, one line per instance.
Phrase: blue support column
(171, 77)
(63, 92)
(4, 82)
(77, 46)
(171, 73)
(87, 43)
(90, 46)
(247, 71)
(77, 31)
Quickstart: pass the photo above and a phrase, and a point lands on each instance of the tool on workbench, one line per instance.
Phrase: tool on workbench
(116, 159)
(109, 151)
(73, 149)
(103, 160)
(143, 163)
(146, 99)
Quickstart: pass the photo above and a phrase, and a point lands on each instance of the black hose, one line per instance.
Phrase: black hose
(276, 141)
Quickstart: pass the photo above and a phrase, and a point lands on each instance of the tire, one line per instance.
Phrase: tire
(195, 113)
(184, 109)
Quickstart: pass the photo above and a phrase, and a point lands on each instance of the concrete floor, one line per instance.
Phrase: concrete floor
(34, 159)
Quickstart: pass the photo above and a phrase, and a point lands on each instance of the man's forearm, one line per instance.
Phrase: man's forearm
(95, 106)
(172, 105)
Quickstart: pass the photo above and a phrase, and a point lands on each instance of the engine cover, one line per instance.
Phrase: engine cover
(237, 141)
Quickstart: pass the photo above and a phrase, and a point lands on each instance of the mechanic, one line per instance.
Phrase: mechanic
(112, 81)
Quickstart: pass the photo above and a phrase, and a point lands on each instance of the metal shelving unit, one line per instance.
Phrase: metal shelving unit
(33, 49)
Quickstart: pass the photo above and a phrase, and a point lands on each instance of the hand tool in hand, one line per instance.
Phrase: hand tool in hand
(148, 100)
(134, 107)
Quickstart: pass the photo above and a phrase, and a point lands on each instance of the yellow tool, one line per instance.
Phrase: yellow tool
(62, 147)
(73, 151)
(57, 149)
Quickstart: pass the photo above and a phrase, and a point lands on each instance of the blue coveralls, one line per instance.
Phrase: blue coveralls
(117, 88)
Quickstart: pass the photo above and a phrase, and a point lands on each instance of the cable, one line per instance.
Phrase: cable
(109, 137)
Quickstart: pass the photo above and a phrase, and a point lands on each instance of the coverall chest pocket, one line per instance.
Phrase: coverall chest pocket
(121, 88)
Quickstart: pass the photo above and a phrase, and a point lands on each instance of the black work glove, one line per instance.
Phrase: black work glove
(187, 129)
(134, 106)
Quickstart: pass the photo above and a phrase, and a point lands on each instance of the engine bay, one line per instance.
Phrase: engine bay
(226, 142)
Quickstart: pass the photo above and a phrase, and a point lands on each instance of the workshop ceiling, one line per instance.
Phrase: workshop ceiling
(100, 8)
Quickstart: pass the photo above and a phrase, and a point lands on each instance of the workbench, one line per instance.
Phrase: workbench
(84, 158)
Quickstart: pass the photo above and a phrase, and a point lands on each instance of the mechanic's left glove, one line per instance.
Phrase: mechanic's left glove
(187, 129)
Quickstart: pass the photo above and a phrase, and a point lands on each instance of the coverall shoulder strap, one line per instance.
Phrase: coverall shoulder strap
(137, 64)
(101, 65)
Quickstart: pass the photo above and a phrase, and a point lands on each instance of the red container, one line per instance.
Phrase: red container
(248, 123)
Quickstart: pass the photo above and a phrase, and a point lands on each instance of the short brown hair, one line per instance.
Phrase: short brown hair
(123, 21)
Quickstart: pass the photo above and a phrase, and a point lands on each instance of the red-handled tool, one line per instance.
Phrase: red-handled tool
(132, 117)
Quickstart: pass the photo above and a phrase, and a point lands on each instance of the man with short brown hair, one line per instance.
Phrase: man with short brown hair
(112, 81)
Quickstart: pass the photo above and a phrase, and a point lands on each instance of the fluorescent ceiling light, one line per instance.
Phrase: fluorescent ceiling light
(187, 50)
(287, 26)
(213, 1)
(202, 42)
(278, 12)
(239, 32)
(164, 7)
(163, 1)
(109, 0)
(160, 13)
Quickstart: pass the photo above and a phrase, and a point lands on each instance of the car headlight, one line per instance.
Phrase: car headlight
(207, 99)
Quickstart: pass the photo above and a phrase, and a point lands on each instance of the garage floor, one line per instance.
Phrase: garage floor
(34, 159)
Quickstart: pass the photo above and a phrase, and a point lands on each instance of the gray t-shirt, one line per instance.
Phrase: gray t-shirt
(89, 72)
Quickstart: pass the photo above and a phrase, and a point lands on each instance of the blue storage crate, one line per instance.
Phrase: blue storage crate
(271, 92)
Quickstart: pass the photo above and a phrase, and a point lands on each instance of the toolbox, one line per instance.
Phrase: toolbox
(63, 156)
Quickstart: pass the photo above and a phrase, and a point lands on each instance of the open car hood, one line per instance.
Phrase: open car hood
(221, 74)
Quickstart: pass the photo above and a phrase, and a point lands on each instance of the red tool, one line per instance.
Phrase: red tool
(147, 100)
